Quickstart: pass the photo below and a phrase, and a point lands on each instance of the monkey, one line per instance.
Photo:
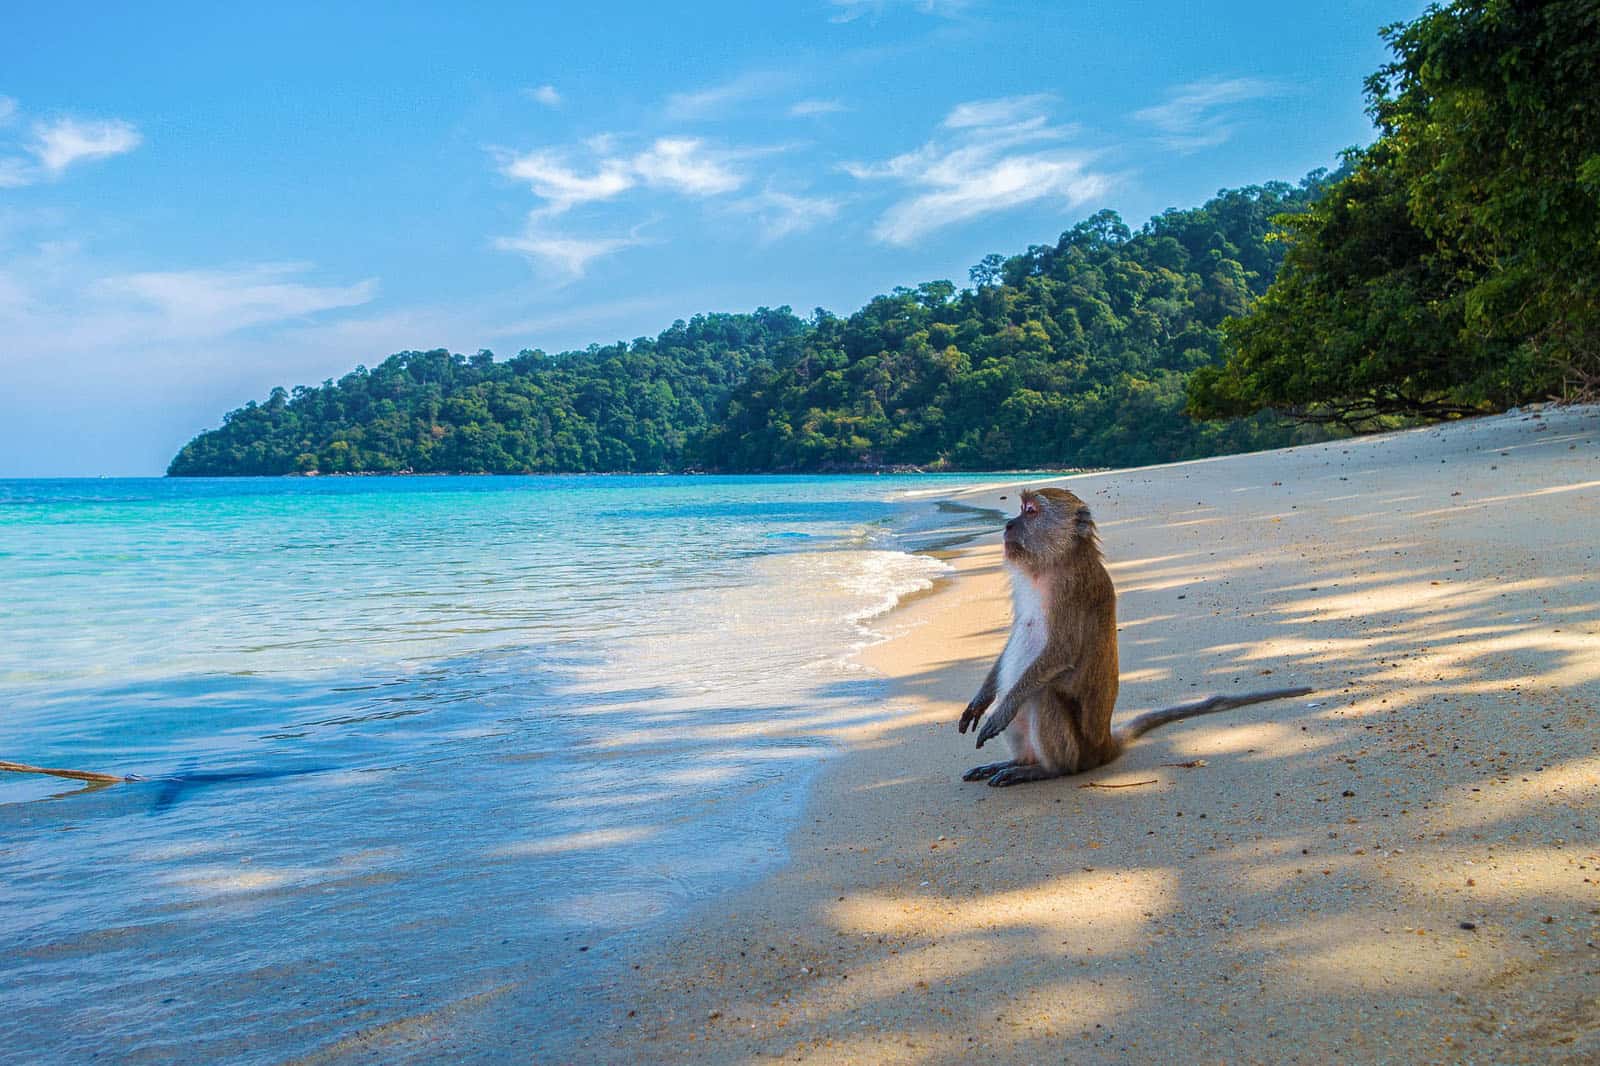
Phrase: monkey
(1054, 686)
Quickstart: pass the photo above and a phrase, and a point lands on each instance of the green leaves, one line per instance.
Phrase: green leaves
(1456, 267)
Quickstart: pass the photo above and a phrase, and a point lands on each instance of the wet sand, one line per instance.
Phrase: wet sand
(1402, 867)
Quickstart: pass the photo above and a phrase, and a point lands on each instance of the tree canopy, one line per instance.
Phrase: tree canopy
(1456, 267)
(620, 407)
(1069, 354)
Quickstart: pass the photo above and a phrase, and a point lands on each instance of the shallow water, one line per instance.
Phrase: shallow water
(402, 740)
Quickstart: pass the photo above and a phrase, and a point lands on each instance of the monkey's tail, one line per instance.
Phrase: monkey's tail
(1156, 719)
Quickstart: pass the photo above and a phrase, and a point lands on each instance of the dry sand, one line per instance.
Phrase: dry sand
(1403, 867)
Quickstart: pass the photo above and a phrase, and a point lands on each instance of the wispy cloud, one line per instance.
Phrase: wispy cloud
(718, 100)
(564, 255)
(544, 94)
(565, 243)
(563, 186)
(213, 303)
(1192, 118)
(1004, 111)
(58, 144)
(850, 10)
(812, 108)
(54, 297)
(781, 214)
(686, 165)
(995, 155)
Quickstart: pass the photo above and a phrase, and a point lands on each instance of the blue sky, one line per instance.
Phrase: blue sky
(198, 203)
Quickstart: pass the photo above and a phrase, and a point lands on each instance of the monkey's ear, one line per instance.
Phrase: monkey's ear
(1082, 523)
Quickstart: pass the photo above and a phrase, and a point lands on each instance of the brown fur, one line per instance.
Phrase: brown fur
(1058, 707)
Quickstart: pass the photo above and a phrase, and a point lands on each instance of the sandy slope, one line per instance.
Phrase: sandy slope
(1296, 896)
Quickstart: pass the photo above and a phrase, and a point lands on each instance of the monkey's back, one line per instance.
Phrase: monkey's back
(1076, 710)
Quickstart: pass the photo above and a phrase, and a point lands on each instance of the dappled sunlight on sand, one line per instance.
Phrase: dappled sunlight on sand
(1534, 878)
(1349, 954)
(1076, 907)
(1489, 501)
(1574, 785)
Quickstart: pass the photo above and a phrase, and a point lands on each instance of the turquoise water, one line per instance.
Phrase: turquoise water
(403, 741)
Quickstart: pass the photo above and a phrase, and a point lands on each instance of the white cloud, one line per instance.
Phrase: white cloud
(213, 303)
(718, 100)
(685, 165)
(1004, 111)
(681, 164)
(561, 186)
(565, 255)
(59, 144)
(55, 298)
(810, 108)
(850, 10)
(781, 214)
(544, 94)
(999, 154)
(1189, 119)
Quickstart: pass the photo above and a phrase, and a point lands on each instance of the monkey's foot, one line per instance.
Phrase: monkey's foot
(979, 773)
(1021, 774)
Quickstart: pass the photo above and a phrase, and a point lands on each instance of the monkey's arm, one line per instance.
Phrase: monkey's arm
(981, 701)
(1050, 665)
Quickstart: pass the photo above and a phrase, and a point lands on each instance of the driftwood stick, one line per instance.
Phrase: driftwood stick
(76, 775)
(1125, 784)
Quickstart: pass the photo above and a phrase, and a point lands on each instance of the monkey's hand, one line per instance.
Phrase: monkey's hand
(1036, 677)
(980, 702)
(994, 727)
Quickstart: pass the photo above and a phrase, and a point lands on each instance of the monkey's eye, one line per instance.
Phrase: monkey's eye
(1030, 508)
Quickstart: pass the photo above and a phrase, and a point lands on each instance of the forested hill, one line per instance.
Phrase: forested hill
(1069, 354)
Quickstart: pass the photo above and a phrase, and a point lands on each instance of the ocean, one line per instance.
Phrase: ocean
(400, 742)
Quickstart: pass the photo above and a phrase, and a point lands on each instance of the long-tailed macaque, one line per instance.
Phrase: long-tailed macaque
(1055, 684)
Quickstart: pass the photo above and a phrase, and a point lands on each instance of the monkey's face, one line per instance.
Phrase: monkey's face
(1048, 524)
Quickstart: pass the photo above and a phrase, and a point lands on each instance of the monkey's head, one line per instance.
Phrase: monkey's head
(1050, 524)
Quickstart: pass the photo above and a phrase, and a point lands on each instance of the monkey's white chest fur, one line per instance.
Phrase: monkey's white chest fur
(1030, 629)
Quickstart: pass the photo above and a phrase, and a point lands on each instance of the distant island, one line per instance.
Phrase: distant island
(1447, 269)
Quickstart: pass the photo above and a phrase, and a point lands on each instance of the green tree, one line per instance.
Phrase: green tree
(1490, 109)
(1456, 268)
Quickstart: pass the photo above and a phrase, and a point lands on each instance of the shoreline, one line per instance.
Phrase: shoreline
(1293, 881)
